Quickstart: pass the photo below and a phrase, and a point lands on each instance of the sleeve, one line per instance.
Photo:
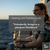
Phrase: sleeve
(44, 35)
(34, 34)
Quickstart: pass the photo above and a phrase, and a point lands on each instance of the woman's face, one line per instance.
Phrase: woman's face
(38, 11)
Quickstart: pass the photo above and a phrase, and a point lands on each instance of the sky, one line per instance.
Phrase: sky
(16, 7)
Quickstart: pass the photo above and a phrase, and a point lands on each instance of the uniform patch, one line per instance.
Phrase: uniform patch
(47, 27)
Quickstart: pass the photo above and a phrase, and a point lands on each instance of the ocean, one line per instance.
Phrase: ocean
(6, 36)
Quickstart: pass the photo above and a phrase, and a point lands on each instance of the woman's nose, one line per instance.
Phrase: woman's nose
(34, 12)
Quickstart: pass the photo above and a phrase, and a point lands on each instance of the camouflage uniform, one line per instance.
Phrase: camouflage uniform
(44, 34)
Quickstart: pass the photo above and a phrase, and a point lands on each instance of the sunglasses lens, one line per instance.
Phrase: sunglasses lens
(36, 10)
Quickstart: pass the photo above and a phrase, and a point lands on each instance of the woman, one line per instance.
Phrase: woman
(39, 9)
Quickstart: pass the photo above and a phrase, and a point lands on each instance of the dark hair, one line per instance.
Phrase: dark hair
(43, 6)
